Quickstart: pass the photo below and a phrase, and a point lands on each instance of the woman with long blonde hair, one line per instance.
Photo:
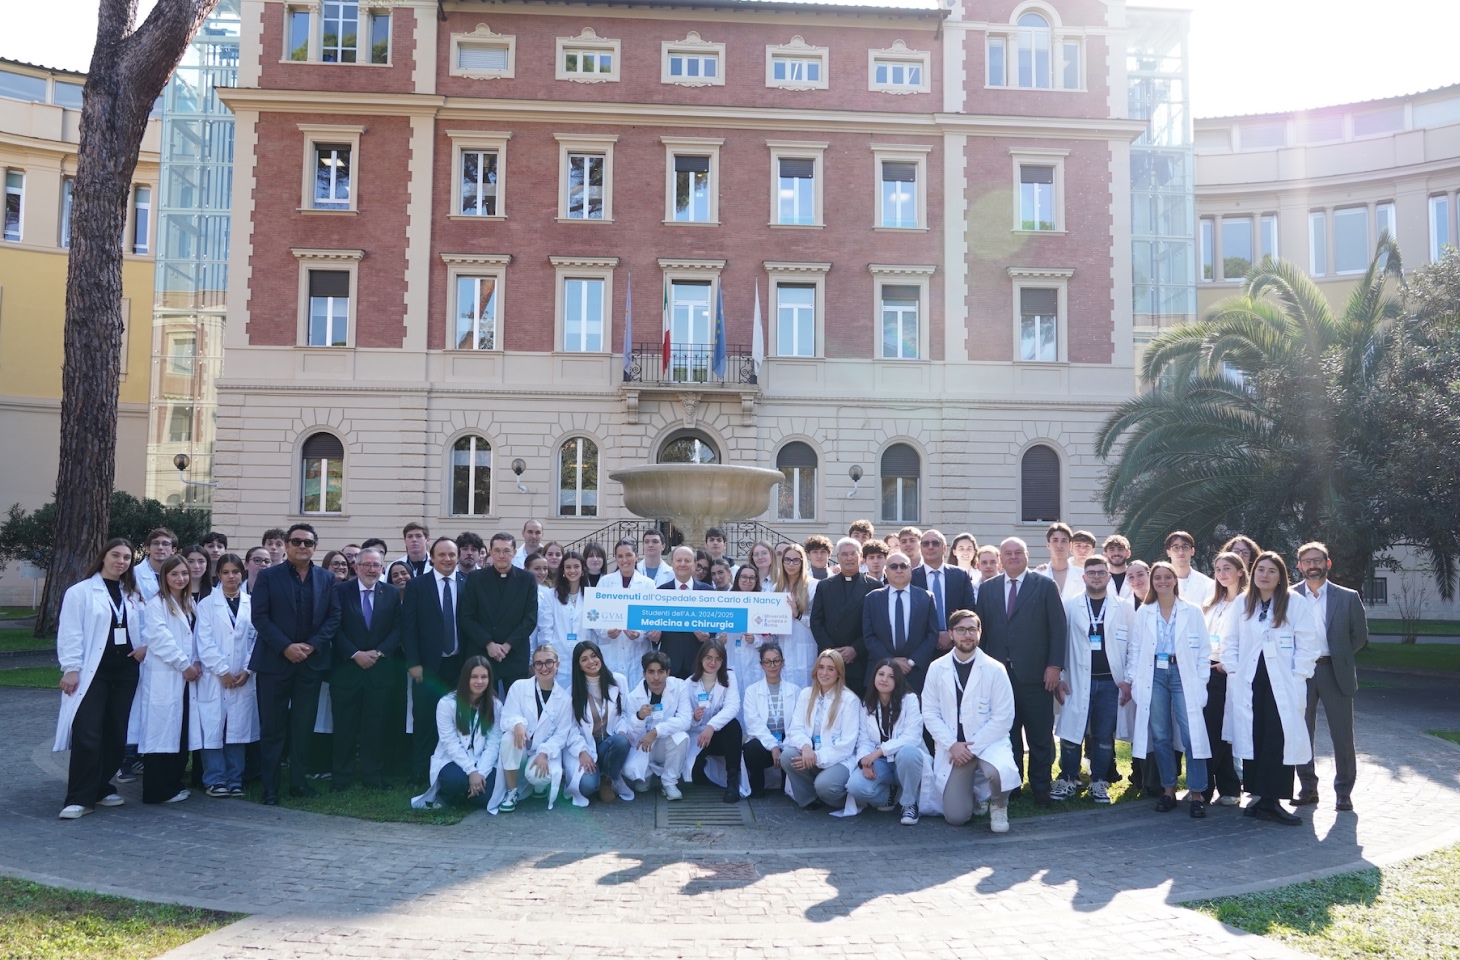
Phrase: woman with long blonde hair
(159, 723)
(821, 744)
(799, 646)
(1229, 569)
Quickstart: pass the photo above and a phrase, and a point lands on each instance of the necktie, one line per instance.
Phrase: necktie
(367, 606)
(448, 617)
(899, 628)
(684, 586)
(1013, 595)
(938, 597)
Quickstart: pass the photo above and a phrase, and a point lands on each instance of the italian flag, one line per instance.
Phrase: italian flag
(666, 328)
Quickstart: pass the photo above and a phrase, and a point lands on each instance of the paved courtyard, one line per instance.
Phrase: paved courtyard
(700, 879)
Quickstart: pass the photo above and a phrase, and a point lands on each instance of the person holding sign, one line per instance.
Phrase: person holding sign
(623, 650)
(564, 607)
(680, 646)
(714, 701)
(659, 719)
(821, 743)
(766, 707)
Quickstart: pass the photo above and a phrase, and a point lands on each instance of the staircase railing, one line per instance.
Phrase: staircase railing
(740, 536)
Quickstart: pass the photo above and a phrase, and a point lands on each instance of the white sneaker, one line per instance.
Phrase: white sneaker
(111, 800)
(671, 790)
(1063, 789)
(182, 795)
(1227, 801)
(999, 819)
(1100, 791)
(638, 786)
(74, 812)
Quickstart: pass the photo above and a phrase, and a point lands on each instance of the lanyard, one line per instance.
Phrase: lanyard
(883, 718)
(232, 617)
(958, 680)
(476, 722)
(541, 700)
(119, 611)
(1090, 609)
(823, 703)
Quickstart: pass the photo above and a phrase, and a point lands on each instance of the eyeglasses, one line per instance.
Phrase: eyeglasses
(897, 566)
(790, 559)
(539, 664)
(965, 631)
(259, 561)
(932, 543)
(300, 542)
(341, 562)
(772, 663)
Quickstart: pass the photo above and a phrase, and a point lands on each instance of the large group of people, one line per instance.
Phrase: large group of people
(918, 677)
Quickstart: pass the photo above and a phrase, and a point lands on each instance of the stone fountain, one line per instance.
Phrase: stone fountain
(695, 496)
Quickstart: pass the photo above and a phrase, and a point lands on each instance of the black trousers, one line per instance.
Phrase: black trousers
(725, 742)
(288, 704)
(1265, 775)
(424, 697)
(359, 698)
(1034, 722)
(757, 762)
(397, 746)
(1223, 771)
(99, 731)
(162, 773)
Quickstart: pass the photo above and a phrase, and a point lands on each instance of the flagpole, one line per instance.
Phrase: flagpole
(629, 329)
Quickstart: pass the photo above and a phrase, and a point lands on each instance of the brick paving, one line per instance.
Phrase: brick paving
(588, 883)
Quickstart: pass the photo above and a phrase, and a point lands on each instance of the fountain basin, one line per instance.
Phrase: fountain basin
(694, 496)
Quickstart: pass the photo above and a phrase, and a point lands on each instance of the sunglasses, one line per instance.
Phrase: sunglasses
(897, 566)
(300, 542)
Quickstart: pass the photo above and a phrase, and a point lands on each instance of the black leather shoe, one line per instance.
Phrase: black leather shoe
(1305, 799)
(1166, 804)
(1343, 803)
(1198, 810)
(815, 805)
(1042, 798)
(1277, 814)
(271, 799)
(303, 792)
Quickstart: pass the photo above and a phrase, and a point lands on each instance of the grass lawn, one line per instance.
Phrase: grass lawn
(392, 805)
(16, 613)
(1451, 735)
(1409, 910)
(45, 677)
(1425, 628)
(17, 641)
(1412, 656)
(44, 923)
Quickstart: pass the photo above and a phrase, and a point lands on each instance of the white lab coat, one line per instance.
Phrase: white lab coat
(543, 632)
(580, 739)
(81, 636)
(755, 709)
(1074, 580)
(547, 734)
(1218, 619)
(475, 751)
(564, 631)
(1291, 653)
(1190, 632)
(1074, 717)
(1197, 588)
(620, 654)
(662, 575)
(722, 704)
(220, 716)
(838, 739)
(987, 714)
(156, 721)
(673, 722)
(799, 646)
(146, 582)
(744, 656)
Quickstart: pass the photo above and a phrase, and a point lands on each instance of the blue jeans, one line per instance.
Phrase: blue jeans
(1168, 718)
(452, 785)
(1100, 728)
(905, 769)
(612, 752)
(223, 767)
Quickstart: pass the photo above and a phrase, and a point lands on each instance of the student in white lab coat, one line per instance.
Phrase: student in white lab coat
(1270, 649)
(799, 646)
(225, 710)
(821, 743)
(766, 708)
(159, 723)
(598, 747)
(890, 751)
(968, 710)
(714, 701)
(623, 650)
(743, 649)
(564, 608)
(468, 739)
(537, 565)
(98, 644)
(1231, 574)
(1167, 677)
(1196, 588)
(659, 718)
(536, 725)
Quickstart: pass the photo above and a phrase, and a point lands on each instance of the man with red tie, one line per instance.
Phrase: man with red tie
(681, 647)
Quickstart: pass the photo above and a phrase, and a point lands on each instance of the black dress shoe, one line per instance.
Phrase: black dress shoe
(1166, 804)
(1305, 799)
(815, 805)
(303, 792)
(1276, 814)
(271, 799)
(1042, 798)
(1198, 810)
(1343, 803)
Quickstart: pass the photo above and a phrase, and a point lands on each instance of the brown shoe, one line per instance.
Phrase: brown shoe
(1343, 803)
(606, 792)
(1305, 799)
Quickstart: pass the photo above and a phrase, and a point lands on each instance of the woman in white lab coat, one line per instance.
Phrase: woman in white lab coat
(98, 644)
(159, 724)
(623, 650)
(596, 750)
(565, 611)
(766, 708)
(743, 649)
(1168, 680)
(468, 738)
(536, 725)
(1270, 650)
(821, 743)
(715, 731)
(793, 576)
(890, 751)
(1230, 572)
(225, 711)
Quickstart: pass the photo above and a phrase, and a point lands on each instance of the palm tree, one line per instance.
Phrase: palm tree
(1250, 424)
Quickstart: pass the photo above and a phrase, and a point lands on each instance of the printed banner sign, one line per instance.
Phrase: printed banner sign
(684, 611)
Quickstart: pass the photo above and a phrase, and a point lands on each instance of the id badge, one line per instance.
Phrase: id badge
(780, 736)
(1094, 641)
(1216, 643)
(658, 707)
(119, 637)
(703, 697)
(984, 707)
(572, 638)
(1285, 641)
(816, 742)
(1120, 634)
(739, 640)
(1194, 641)
(1163, 661)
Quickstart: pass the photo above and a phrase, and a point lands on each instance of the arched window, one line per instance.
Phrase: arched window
(322, 459)
(901, 468)
(1034, 52)
(797, 498)
(1039, 484)
(578, 478)
(689, 446)
(471, 477)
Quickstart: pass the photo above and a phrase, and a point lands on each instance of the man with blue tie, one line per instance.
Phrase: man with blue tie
(899, 621)
(360, 686)
(429, 632)
(952, 588)
(681, 647)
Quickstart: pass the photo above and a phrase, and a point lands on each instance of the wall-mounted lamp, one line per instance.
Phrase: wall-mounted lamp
(181, 461)
(856, 474)
(518, 466)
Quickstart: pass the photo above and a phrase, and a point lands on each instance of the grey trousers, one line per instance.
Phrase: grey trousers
(1338, 710)
(958, 802)
(827, 784)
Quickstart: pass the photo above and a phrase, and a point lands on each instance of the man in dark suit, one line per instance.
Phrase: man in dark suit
(1343, 630)
(431, 632)
(951, 587)
(499, 612)
(296, 612)
(900, 621)
(681, 647)
(836, 612)
(360, 687)
(1024, 628)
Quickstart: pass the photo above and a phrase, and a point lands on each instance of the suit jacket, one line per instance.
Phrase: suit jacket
(681, 647)
(836, 618)
(1033, 638)
(498, 608)
(1348, 631)
(422, 629)
(383, 634)
(957, 589)
(272, 609)
(921, 645)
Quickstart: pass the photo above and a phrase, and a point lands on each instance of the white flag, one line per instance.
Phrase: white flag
(757, 337)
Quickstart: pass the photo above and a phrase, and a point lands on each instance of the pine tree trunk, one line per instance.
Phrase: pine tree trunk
(128, 71)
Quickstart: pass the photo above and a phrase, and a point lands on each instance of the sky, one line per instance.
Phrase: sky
(1247, 56)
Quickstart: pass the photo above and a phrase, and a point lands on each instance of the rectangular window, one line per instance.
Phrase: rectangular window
(1034, 57)
(796, 69)
(1318, 243)
(68, 95)
(141, 219)
(578, 479)
(22, 86)
(1269, 236)
(997, 54)
(482, 57)
(687, 66)
(1039, 325)
(380, 38)
(899, 194)
(479, 183)
(692, 189)
(329, 308)
(796, 497)
(181, 351)
(324, 483)
(795, 320)
(67, 185)
(339, 29)
(1384, 219)
(1236, 247)
(1208, 248)
(1439, 226)
(585, 186)
(476, 313)
(1070, 61)
(691, 334)
(900, 339)
(587, 61)
(180, 424)
(332, 176)
(298, 27)
(14, 203)
(897, 73)
(797, 191)
(1036, 198)
(1351, 240)
(583, 315)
